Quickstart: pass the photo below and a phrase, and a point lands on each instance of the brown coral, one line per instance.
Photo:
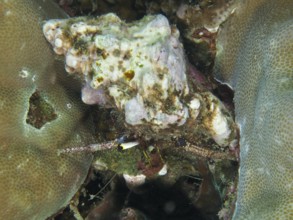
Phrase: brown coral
(255, 57)
(34, 181)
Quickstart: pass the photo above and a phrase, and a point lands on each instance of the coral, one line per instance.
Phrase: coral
(140, 69)
(255, 57)
(38, 116)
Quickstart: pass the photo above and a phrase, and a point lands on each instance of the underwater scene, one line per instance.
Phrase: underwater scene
(146, 110)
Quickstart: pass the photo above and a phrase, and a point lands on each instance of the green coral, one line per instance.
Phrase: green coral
(35, 182)
(255, 57)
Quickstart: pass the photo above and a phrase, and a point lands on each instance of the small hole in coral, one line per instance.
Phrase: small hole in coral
(40, 111)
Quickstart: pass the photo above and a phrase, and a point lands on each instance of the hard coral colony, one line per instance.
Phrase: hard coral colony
(141, 66)
(256, 59)
(34, 181)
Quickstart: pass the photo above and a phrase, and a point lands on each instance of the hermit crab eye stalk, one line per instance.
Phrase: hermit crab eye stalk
(127, 145)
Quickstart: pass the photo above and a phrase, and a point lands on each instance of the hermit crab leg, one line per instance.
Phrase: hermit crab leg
(100, 146)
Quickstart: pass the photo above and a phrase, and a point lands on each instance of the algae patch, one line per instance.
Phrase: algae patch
(40, 111)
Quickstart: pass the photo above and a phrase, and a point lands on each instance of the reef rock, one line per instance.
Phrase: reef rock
(38, 116)
(255, 57)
